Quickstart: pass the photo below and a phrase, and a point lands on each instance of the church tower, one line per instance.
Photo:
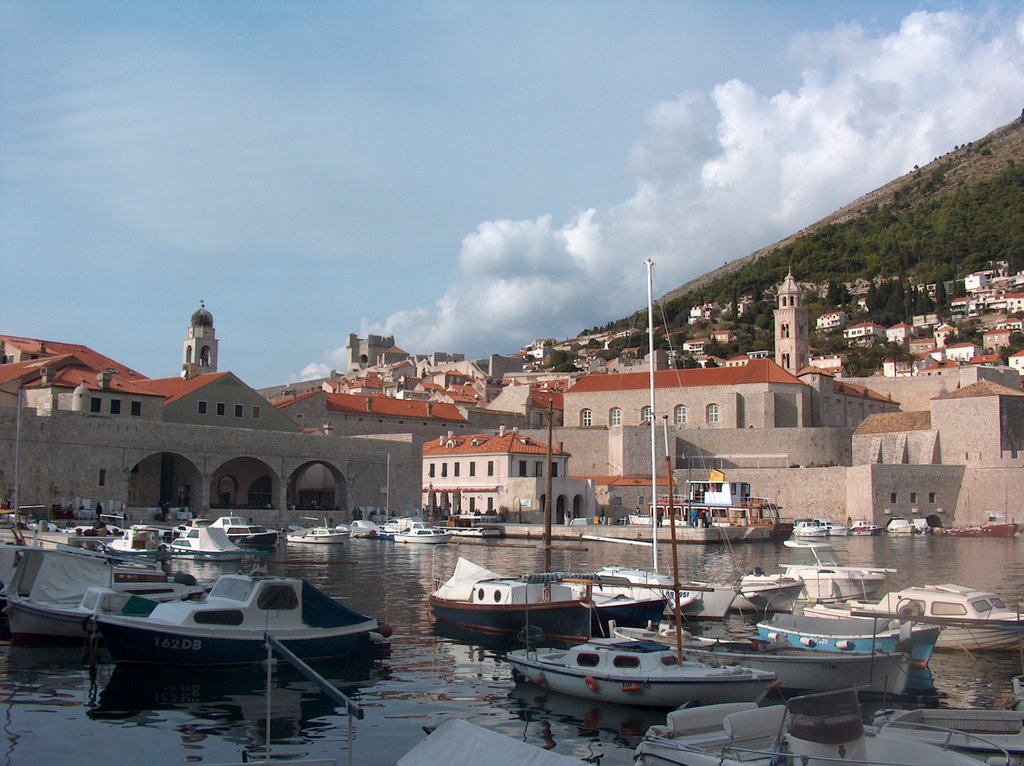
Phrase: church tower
(792, 341)
(200, 351)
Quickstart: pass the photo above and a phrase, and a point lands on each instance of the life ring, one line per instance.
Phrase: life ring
(591, 683)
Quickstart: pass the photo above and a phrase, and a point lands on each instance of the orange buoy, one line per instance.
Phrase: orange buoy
(539, 679)
(591, 683)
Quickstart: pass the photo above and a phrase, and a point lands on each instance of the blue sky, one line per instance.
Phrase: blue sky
(468, 176)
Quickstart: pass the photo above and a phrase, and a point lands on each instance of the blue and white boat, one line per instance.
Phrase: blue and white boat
(228, 626)
(851, 634)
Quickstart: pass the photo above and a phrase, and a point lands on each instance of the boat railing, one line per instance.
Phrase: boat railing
(352, 708)
(964, 739)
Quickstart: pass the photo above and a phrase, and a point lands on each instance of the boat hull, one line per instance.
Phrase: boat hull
(710, 604)
(826, 634)
(179, 646)
(646, 692)
(44, 625)
(558, 621)
(801, 670)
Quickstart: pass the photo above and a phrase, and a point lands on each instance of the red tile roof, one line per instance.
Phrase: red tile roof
(388, 407)
(49, 348)
(508, 443)
(173, 389)
(755, 371)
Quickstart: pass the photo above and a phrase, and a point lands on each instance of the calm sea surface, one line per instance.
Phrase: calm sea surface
(54, 710)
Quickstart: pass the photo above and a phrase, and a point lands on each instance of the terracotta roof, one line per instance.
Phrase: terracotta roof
(68, 371)
(388, 407)
(755, 371)
(281, 402)
(985, 359)
(541, 398)
(173, 389)
(894, 422)
(510, 442)
(624, 481)
(981, 388)
(849, 389)
(49, 348)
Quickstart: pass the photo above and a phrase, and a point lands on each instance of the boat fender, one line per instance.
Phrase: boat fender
(591, 683)
(384, 629)
(844, 644)
(808, 641)
(539, 679)
(773, 636)
(631, 687)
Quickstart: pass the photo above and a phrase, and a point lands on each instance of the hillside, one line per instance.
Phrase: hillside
(967, 166)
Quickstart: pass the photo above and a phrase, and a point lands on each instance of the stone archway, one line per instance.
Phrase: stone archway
(164, 477)
(316, 486)
(253, 481)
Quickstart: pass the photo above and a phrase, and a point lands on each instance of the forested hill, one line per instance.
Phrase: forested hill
(936, 223)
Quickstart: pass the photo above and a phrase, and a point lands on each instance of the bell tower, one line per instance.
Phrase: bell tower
(199, 355)
(792, 341)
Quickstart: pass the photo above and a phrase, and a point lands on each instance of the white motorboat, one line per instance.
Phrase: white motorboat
(970, 619)
(228, 626)
(363, 528)
(814, 730)
(419, 532)
(977, 732)
(826, 578)
(47, 586)
(244, 533)
(317, 536)
(804, 528)
(796, 669)
(758, 591)
(207, 542)
(865, 527)
(636, 673)
(458, 741)
(480, 533)
(142, 539)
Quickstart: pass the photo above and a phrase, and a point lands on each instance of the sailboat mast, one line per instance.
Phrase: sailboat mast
(654, 460)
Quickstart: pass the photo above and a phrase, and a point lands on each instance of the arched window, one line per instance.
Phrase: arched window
(785, 330)
(586, 418)
(712, 413)
(645, 414)
(615, 417)
(680, 415)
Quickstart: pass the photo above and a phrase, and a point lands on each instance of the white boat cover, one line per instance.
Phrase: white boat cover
(458, 741)
(54, 577)
(213, 540)
(464, 579)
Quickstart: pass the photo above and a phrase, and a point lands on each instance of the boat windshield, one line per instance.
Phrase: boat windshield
(234, 588)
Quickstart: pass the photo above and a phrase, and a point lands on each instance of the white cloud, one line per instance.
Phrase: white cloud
(721, 174)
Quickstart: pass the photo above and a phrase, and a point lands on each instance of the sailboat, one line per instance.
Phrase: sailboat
(698, 600)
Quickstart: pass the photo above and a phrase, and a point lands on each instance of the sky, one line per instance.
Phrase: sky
(465, 176)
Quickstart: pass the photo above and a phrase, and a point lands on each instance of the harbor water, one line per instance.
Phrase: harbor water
(57, 708)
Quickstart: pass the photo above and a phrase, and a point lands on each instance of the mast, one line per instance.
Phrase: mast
(547, 494)
(654, 460)
(675, 556)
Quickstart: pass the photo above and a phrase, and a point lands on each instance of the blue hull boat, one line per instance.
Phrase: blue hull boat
(851, 634)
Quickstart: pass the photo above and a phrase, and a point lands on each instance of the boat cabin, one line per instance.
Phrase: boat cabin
(621, 655)
(518, 593)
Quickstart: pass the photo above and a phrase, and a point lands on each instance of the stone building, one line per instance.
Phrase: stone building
(505, 473)
(78, 429)
(958, 463)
